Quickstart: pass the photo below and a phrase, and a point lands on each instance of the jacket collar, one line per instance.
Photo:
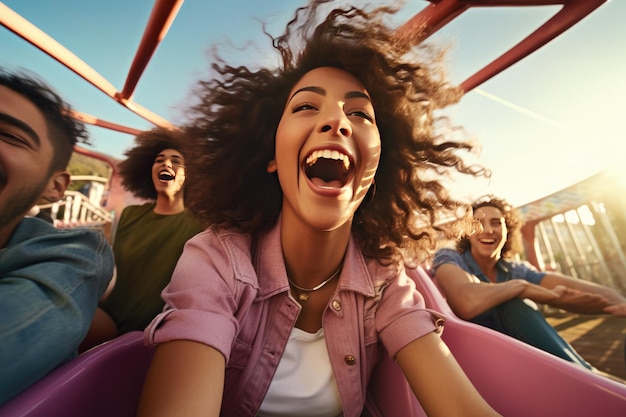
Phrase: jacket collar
(355, 276)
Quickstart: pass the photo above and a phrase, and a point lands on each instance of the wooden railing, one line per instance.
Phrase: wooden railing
(82, 208)
(78, 210)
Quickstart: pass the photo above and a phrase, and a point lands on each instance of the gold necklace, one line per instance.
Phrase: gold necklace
(304, 297)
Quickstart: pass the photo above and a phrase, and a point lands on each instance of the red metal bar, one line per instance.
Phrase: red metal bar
(32, 34)
(93, 120)
(572, 12)
(429, 20)
(35, 36)
(163, 14)
(441, 12)
(432, 18)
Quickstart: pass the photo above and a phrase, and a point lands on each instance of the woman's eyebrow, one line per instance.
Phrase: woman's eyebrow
(317, 90)
(322, 92)
(357, 94)
(173, 157)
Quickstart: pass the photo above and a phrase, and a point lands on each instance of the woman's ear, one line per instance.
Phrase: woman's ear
(271, 166)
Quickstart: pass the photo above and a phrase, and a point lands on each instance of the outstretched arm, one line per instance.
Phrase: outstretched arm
(469, 297)
(439, 382)
(185, 379)
(585, 297)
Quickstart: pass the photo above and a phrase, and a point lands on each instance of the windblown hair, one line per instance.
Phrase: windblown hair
(136, 169)
(513, 223)
(64, 130)
(239, 109)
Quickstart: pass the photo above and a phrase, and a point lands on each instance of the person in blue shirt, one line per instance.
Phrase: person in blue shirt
(484, 284)
(50, 279)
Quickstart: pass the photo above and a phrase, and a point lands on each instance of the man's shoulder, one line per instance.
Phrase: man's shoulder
(519, 265)
(447, 256)
(137, 210)
(447, 253)
(39, 231)
(135, 213)
(30, 228)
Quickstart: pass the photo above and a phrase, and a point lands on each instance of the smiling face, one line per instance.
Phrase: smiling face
(488, 242)
(25, 156)
(327, 148)
(168, 173)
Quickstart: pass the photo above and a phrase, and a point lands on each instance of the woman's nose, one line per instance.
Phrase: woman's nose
(337, 124)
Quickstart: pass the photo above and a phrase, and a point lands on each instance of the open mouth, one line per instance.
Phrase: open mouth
(165, 176)
(328, 168)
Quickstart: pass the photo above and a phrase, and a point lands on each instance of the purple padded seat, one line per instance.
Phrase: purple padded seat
(104, 381)
(516, 379)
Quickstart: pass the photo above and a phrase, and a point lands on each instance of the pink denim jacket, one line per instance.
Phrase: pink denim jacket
(240, 304)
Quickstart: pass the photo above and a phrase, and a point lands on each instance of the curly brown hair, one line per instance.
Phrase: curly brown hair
(239, 109)
(512, 220)
(136, 169)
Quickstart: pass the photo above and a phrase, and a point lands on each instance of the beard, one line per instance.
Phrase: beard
(20, 202)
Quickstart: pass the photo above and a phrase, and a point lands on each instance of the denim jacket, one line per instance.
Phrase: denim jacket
(50, 283)
(240, 304)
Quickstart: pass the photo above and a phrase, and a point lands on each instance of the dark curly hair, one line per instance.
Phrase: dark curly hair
(512, 220)
(239, 109)
(136, 169)
(64, 131)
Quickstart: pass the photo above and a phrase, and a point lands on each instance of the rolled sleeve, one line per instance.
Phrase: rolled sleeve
(211, 329)
(447, 256)
(402, 316)
(201, 300)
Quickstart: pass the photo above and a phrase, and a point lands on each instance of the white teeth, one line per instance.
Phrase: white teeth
(329, 154)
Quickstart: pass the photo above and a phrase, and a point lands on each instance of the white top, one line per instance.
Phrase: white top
(304, 384)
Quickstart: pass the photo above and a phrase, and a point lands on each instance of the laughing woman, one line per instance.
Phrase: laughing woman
(322, 177)
(149, 238)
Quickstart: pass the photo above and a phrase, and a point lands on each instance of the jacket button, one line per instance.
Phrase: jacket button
(350, 360)
(337, 305)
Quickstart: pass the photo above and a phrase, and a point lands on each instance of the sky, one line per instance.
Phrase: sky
(549, 121)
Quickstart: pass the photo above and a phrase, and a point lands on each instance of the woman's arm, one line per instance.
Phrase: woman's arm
(439, 382)
(469, 297)
(185, 379)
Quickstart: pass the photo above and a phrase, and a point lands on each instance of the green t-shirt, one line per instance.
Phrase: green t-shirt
(146, 247)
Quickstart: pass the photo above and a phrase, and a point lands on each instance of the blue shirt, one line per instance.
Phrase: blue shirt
(505, 271)
(50, 284)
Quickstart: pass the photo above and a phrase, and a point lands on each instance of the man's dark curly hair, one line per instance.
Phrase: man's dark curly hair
(136, 169)
(239, 109)
(512, 220)
(64, 131)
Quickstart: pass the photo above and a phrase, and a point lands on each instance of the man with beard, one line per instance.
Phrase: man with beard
(50, 279)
